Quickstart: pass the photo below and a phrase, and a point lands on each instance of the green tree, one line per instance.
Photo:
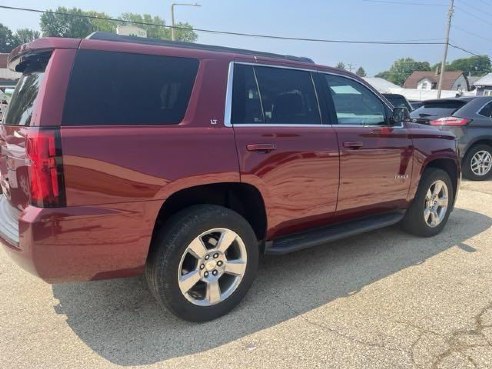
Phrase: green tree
(401, 70)
(474, 65)
(102, 23)
(361, 72)
(7, 40)
(341, 65)
(157, 29)
(25, 35)
(65, 23)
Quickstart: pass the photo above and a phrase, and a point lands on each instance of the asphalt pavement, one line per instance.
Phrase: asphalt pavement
(381, 300)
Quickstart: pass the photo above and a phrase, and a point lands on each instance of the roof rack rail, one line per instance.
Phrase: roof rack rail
(105, 36)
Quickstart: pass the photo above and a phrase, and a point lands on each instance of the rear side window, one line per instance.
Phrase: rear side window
(273, 96)
(20, 108)
(486, 111)
(438, 108)
(111, 88)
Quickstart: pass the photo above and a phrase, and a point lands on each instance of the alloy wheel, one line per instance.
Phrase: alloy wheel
(212, 267)
(436, 203)
(481, 163)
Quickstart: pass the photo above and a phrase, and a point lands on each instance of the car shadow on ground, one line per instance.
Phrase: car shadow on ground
(120, 320)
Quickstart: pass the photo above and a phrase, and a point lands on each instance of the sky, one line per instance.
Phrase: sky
(367, 20)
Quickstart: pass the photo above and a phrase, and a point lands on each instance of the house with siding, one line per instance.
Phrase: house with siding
(484, 85)
(429, 80)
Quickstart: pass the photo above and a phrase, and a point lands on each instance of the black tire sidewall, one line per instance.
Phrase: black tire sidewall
(467, 171)
(414, 221)
(173, 240)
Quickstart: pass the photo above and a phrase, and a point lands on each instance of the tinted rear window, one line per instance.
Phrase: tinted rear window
(122, 88)
(438, 108)
(20, 108)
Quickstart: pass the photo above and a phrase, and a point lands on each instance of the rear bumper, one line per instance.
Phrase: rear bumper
(83, 243)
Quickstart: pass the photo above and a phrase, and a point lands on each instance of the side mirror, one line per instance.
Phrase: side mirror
(399, 115)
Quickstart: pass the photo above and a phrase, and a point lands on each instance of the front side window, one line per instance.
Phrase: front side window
(269, 95)
(114, 88)
(354, 103)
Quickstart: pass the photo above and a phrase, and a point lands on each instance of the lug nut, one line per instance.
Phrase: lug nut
(202, 266)
(219, 263)
(216, 255)
(207, 257)
(206, 274)
(214, 272)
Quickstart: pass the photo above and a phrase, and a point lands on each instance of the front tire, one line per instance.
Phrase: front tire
(477, 164)
(202, 262)
(432, 204)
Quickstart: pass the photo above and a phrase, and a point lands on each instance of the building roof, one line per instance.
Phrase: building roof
(3, 60)
(381, 85)
(6, 75)
(484, 81)
(448, 81)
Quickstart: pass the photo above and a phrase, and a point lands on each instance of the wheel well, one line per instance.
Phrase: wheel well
(449, 166)
(242, 198)
(484, 141)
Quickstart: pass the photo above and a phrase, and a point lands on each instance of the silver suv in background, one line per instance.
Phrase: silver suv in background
(470, 119)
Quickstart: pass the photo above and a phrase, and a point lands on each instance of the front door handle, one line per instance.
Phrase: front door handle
(261, 147)
(353, 144)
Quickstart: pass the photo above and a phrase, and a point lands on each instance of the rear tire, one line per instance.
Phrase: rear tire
(432, 204)
(202, 262)
(477, 164)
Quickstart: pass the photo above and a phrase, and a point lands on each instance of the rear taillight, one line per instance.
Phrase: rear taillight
(45, 168)
(450, 121)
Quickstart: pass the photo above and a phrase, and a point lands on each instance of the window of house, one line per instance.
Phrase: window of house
(354, 103)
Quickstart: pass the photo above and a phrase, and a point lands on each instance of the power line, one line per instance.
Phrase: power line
(257, 35)
(401, 3)
(380, 42)
(478, 9)
(462, 49)
(473, 15)
(472, 33)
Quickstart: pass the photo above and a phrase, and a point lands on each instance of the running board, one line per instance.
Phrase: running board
(331, 233)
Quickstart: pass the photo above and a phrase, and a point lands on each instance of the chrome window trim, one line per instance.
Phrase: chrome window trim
(281, 125)
(228, 100)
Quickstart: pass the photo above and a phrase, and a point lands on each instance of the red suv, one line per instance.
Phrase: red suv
(122, 155)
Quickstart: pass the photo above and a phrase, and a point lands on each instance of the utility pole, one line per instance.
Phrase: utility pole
(173, 31)
(443, 64)
(350, 67)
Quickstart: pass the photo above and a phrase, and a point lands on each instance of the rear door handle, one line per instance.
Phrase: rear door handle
(261, 147)
(353, 144)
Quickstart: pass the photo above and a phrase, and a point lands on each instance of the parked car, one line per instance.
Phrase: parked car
(398, 101)
(416, 104)
(223, 154)
(470, 120)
